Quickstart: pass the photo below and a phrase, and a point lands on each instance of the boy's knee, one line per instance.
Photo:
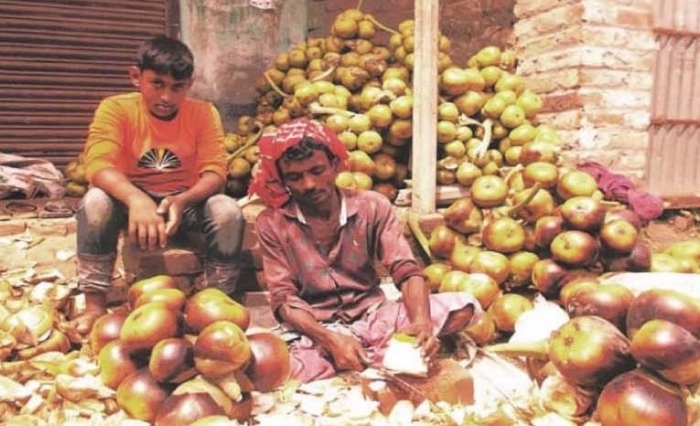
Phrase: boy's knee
(224, 210)
(96, 207)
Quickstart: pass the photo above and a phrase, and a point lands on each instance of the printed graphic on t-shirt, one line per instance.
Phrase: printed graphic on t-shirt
(160, 159)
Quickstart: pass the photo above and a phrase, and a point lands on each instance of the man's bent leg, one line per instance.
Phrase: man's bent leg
(448, 312)
(307, 361)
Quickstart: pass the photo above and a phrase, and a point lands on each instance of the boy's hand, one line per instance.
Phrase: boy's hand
(146, 226)
(171, 208)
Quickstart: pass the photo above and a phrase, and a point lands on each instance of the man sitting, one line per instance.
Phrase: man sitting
(319, 244)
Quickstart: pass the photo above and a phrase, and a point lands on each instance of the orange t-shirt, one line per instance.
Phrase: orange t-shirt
(158, 156)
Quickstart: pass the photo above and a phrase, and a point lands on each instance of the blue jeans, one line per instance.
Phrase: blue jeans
(101, 217)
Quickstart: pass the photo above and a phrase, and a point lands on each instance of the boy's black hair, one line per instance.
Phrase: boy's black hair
(166, 55)
(305, 149)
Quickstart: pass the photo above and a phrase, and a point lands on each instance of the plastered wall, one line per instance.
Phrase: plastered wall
(233, 43)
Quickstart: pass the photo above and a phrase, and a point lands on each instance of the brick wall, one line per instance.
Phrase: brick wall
(592, 60)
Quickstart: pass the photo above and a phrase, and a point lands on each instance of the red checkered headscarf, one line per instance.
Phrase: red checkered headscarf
(267, 183)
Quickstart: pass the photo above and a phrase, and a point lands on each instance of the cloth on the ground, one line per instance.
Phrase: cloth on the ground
(618, 187)
(267, 183)
(310, 362)
(29, 177)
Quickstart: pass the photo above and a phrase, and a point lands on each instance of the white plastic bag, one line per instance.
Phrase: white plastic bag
(30, 177)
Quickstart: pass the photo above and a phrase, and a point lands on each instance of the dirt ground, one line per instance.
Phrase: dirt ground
(672, 226)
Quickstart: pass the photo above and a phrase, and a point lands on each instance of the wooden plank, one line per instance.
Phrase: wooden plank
(172, 19)
(676, 122)
(425, 92)
(682, 202)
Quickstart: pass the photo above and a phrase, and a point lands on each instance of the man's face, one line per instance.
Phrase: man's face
(162, 93)
(311, 181)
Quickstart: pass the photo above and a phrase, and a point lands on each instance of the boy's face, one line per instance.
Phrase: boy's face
(162, 93)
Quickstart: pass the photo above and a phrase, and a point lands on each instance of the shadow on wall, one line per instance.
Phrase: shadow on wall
(233, 43)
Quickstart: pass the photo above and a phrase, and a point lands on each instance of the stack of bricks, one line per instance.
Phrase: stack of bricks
(592, 62)
(183, 259)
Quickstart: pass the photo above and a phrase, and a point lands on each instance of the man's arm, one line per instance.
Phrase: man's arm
(396, 254)
(416, 298)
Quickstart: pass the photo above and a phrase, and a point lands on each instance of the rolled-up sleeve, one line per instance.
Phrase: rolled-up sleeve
(278, 273)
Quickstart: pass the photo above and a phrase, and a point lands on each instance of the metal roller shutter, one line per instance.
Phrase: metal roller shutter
(674, 134)
(58, 59)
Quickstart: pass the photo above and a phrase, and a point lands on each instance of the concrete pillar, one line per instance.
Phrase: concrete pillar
(234, 42)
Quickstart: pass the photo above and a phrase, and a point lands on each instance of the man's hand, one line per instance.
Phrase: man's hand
(347, 352)
(423, 332)
(172, 208)
(146, 226)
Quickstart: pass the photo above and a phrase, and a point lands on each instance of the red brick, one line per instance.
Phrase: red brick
(558, 18)
(615, 36)
(592, 98)
(612, 79)
(683, 223)
(559, 75)
(171, 261)
(502, 4)
(542, 83)
(634, 18)
(553, 41)
(638, 120)
(11, 227)
(48, 227)
(563, 120)
(626, 99)
(562, 102)
(625, 140)
(605, 119)
(526, 8)
(617, 58)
